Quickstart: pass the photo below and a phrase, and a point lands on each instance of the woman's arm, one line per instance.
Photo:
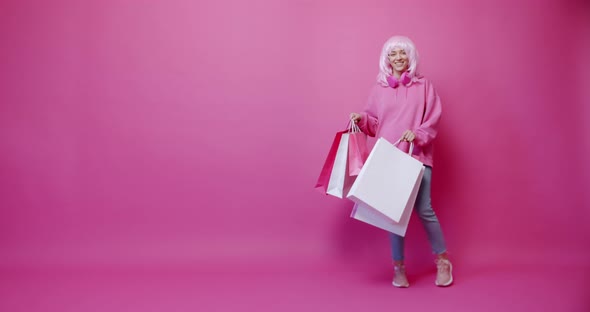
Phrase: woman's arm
(427, 131)
(369, 122)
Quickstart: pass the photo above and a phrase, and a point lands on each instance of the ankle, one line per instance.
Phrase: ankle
(442, 256)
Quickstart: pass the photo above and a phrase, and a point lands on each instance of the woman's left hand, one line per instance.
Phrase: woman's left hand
(408, 136)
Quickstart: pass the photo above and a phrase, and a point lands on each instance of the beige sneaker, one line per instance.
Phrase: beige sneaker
(444, 272)
(399, 277)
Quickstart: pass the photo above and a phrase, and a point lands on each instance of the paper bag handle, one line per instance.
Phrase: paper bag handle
(353, 127)
(411, 146)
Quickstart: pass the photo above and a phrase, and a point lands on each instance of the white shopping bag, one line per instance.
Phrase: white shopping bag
(377, 219)
(340, 181)
(388, 182)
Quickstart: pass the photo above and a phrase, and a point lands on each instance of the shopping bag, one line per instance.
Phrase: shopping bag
(340, 181)
(357, 150)
(387, 181)
(324, 178)
(373, 217)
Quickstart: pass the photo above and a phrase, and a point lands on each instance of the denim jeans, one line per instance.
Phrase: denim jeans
(423, 208)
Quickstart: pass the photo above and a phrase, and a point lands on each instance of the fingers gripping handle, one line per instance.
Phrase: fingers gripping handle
(411, 146)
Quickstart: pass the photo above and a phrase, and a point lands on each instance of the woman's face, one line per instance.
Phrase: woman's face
(399, 60)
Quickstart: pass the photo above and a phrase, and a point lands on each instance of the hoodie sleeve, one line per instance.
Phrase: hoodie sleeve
(369, 121)
(427, 131)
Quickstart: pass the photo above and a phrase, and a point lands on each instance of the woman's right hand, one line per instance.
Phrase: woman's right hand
(355, 117)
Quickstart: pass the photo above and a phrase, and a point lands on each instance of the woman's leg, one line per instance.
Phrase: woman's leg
(397, 249)
(427, 216)
(444, 276)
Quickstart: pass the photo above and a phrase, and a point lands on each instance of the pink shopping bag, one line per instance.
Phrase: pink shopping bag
(340, 181)
(357, 150)
(324, 178)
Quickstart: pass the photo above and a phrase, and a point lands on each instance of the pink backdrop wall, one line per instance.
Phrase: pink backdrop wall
(184, 133)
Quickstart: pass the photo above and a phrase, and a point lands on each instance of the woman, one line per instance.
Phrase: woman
(404, 106)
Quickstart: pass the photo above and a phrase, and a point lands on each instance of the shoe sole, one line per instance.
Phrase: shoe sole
(449, 282)
(400, 286)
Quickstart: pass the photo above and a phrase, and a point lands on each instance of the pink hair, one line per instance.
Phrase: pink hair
(407, 45)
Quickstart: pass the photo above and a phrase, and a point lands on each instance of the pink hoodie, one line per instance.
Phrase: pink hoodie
(390, 112)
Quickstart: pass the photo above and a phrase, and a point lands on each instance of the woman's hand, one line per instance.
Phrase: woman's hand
(355, 117)
(408, 136)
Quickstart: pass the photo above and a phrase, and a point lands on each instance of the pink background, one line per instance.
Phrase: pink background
(189, 134)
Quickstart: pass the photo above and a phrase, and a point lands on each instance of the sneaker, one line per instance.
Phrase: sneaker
(399, 278)
(444, 272)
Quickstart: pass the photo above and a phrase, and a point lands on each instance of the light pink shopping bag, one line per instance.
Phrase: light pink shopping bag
(357, 150)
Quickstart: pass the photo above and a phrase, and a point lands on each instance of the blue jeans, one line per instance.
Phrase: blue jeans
(423, 208)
